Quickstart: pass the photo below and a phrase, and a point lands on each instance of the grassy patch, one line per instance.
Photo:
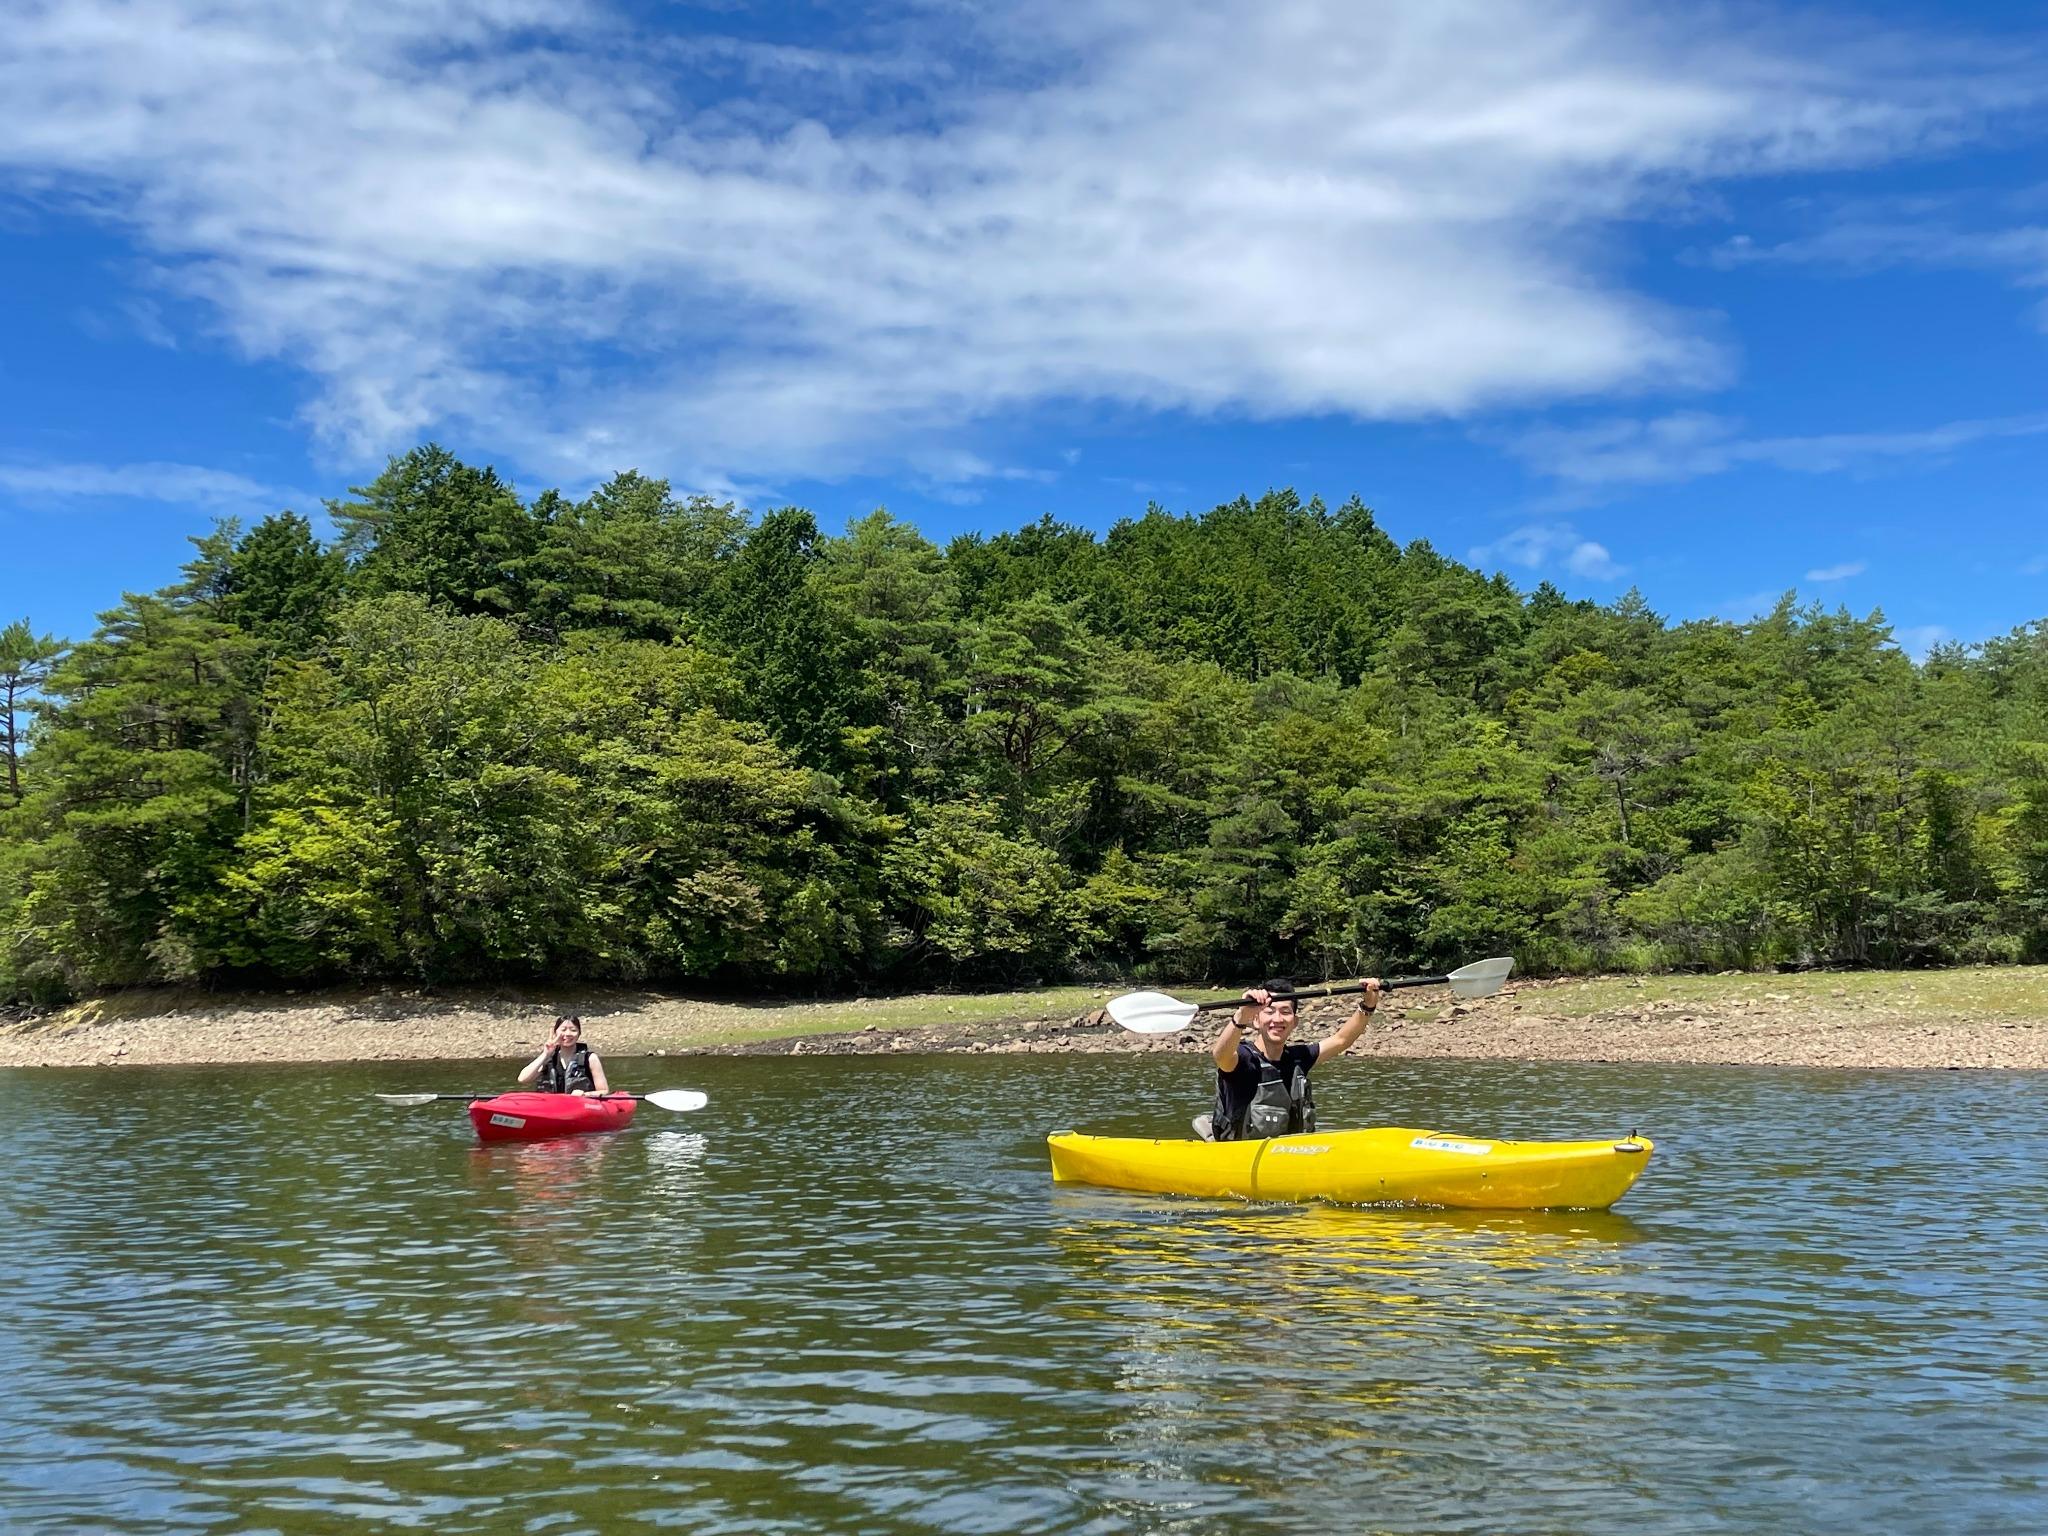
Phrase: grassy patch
(1967, 992)
(680, 1018)
(740, 1022)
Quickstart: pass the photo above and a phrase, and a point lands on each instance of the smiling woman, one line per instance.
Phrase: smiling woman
(566, 1064)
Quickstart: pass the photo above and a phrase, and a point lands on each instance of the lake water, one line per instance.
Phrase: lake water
(847, 1297)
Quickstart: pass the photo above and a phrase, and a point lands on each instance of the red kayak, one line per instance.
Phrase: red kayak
(541, 1116)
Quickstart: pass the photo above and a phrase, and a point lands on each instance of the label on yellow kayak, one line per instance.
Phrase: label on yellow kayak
(1309, 1151)
(1445, 1144)
(514, 1121)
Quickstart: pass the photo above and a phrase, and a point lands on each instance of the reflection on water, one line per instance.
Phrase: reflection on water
(848, 1297)
(675, 1161)
(541, 1173)
(1397, 1270)
(1339, 1329)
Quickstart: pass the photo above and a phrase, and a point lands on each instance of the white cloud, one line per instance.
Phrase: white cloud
(1688, 445)
(1840, 572)
(1541, 546)
(485, 217)
(218, 491)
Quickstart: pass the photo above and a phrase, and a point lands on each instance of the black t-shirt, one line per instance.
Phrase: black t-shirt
(1237, 1086)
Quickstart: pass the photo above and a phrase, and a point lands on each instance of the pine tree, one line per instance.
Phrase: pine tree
(436, 526)
(25, 662)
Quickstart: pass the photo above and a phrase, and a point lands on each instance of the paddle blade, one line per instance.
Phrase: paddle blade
(1151, 1013)
(678, 1099)
(410, 1100)
(1482, 978)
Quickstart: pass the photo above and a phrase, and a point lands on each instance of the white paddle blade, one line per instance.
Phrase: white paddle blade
(1482, 978)
(1151, 1013)
(410, 1100)
(678, 1099)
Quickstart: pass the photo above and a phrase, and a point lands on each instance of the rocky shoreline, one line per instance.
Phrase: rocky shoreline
(1526, 1022)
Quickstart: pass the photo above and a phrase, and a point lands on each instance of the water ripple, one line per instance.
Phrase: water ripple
(847, 1297)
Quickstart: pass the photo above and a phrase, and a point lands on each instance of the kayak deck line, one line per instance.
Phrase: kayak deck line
(1384, 1165)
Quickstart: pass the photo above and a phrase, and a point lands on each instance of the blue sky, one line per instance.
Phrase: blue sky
(1713, 305)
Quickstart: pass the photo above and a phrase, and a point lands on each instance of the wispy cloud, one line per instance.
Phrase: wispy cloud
(137, 317)
(1916, 640)
(1872, 240)
(218, 491)
(1551, 546)
(1689, 445)
(1921, 238)
(1751, 605)
(1840, 572)
(483, 217)
(1151, 490)
(956, 475)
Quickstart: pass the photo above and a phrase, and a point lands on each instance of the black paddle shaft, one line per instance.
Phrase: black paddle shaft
(499, 1093)
(1385, 986)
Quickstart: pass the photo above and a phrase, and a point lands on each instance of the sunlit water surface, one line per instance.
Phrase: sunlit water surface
(847, 1297)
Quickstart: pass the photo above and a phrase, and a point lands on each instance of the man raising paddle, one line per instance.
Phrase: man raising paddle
(1261, 1079)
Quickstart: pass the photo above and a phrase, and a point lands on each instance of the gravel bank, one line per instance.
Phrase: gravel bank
(1748, 1024)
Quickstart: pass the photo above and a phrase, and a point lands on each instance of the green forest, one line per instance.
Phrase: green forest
(644, 737)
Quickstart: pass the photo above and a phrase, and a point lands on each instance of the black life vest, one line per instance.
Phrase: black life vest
(1281, 1106)
(559, 1076)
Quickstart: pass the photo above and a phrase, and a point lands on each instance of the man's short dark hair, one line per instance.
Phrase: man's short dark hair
(1280, 989)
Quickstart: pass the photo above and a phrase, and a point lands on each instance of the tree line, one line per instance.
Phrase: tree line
(648, 737)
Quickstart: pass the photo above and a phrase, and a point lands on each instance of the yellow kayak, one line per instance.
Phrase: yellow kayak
(1385, 1165)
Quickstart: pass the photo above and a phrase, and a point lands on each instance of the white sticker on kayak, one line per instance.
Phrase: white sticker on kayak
(514, 1121)
(1445, 1144)
(1309, 1151)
